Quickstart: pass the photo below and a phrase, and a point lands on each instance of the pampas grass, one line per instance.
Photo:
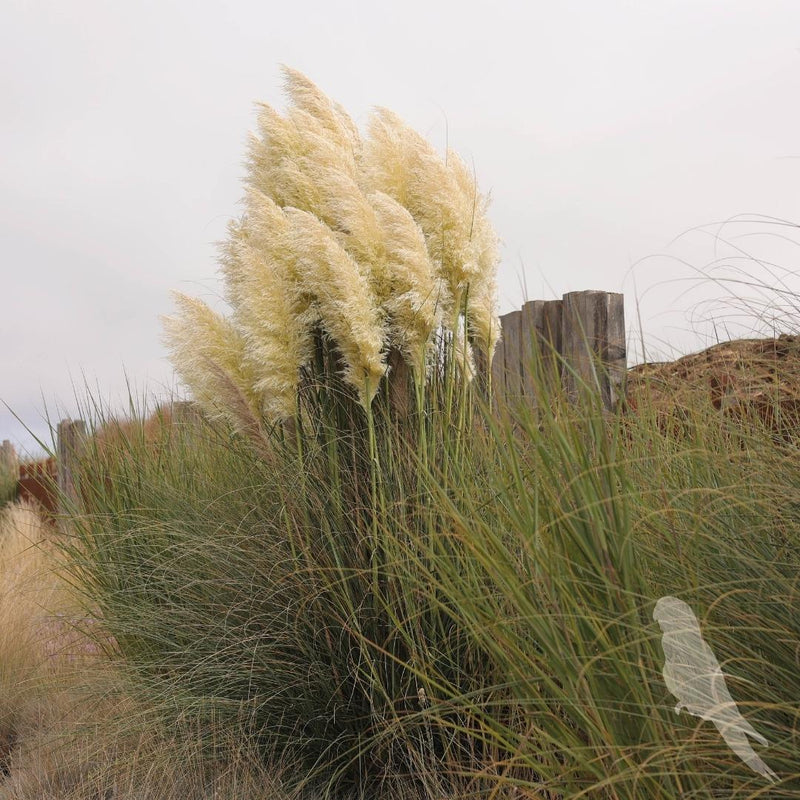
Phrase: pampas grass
(477, 622)
(379, 244)
(209, 354)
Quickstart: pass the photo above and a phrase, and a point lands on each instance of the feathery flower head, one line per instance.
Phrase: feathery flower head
(275, 317)
(347, 308)
(402, 164)
(379, 242)
(208, 354)
(337, 123)
(413, 294)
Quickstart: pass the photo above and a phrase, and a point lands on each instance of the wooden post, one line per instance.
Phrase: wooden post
(8, 457)
(552, 341)
(593, 344)
(531, 332)
(541, 344)
(71, 438)
(512, 354)
(498, 371)
(399, 384)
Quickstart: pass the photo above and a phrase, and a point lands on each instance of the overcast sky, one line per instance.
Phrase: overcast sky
(628, 146)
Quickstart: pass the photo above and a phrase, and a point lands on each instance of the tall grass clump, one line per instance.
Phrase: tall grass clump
(387, 584)
(265, 593)
(489, 629)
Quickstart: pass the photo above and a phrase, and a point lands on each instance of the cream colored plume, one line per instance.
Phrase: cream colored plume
(379, 242)
(483, 321)
(347, 308)
(409, 289)
(307, 97)
(401, 163)
(273, 315)
(209, 355)
(482, 313)
(290, 156)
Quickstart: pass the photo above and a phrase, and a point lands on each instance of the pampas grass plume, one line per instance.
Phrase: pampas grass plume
(347, 307)
(274, 317)
(402, 164)
(209, 355)
(413, 294)
(380, 243)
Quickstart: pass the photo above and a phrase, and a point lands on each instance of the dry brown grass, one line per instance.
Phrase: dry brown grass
(42, 656)
(85, 762)
(67, 728)
(756, 378)
(34, 608)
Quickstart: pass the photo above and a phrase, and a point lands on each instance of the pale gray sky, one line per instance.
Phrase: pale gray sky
(606, 131)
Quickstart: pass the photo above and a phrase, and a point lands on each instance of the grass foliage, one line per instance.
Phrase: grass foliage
(450, 600)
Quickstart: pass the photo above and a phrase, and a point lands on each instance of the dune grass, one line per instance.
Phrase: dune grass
(69, 727)
(451, 603)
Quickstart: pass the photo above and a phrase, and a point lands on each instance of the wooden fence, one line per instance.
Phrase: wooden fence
(578, 339)
(49, 479)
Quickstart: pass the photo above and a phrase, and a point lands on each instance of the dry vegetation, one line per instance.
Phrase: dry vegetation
(68, 730)
(41, 655)
(747, 377)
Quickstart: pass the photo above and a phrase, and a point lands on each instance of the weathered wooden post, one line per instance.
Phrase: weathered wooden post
(541, 344)
(399, 385)
(531, 325)
(8, 457)
(71, 436)
(498, 372)
(593, 344)
(512, 354)
(552, 322)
